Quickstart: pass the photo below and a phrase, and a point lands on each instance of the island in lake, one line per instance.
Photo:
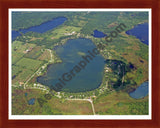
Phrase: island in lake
(62, 64)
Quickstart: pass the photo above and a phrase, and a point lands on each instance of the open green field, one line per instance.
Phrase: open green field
(34, 53)
(65, 30)
(27, 63)
(20, 47)
(115, 103)
(54, 106)
(22, 76)
(23, 69)
(45, 56)
(66, 107)
(16, 57)
(16, 70)
(120, 103)
(19, 50)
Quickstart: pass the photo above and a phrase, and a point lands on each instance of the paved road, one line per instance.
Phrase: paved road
(38, 69)
(89, 100)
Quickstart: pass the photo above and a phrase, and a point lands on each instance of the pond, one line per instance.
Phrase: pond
(44, 27)
(98, 34)
(140, 31)
(31, 101)
(26, 94)
(141, 91)
(71, 53)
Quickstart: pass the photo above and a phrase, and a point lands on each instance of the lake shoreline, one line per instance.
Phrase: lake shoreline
(25, 30)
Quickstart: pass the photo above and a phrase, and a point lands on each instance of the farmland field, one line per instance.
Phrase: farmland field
(45, 56)
(27, 63)
(22, 76)
(34, 53)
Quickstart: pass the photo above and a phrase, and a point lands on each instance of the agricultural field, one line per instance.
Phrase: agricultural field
(64, 31)
(34, 53)
(23, 61)
(45, 56)
(19, 49)
(27, 63)
(23, 69)
(22, 76)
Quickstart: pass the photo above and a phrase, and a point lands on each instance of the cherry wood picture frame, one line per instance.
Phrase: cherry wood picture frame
(106, 4)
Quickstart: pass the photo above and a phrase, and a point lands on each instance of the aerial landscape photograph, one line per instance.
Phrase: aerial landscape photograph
(79, 62)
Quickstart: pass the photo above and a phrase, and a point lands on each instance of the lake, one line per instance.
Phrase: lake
(44, 27)
(140, 31)
(141, 91)
(98, 34)
(15, 34)
(89, 78)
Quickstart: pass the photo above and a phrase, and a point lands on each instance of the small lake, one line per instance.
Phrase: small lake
(31, 101)
(141, 91)
(98, 34)
(71, 54)
(140, 31)
(26, 94)
(44, 27)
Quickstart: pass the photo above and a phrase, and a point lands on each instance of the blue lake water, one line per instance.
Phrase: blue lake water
(31, 101)
(26, 94)
(44, 27)
(71, 54)
(98, 34)
(141, 91)
(140, 31)
(15, 34)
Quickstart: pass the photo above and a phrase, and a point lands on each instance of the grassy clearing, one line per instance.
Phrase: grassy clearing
(120, 103)
(22, 76)
(20, 104)
(34, 53)
(16, 70)
(63, 31)
(45, 56)
(53, 106)
(23, 68)
(19, 47)
(71, 107)
(16, 57)
(19, 50)
(27, 63)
